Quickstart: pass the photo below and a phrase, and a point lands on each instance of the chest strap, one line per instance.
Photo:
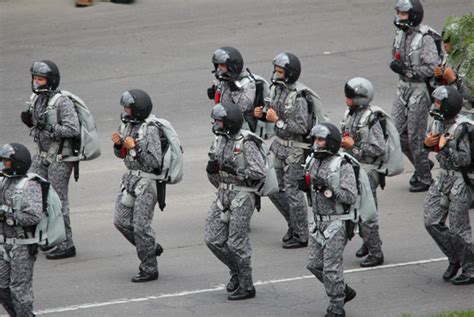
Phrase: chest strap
(292, 143)
(237, 188)
(145, 175)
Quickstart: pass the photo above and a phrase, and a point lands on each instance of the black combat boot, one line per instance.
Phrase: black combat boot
(350, 294)
(419, 187)
(451, 271)
(363, 251)
(288, 235)
(158, 249)
(333, 314)
(233, 284)
(295, 243)
(242, 293)
(61, 254)
(144, 277)
(463, 279)
(371, 261)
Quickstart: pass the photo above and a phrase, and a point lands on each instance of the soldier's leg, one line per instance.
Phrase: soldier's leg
(369, 230)
(123, 219)
(279, 199)
(239, 241)
(216, 233)
(418, 108)
(5, 295)
(59, 174)
(297, 201)
(435, 222)
(460, 226)
(315, 258)
(333, 272)
(21, 280)
(143, 232)
(39, 166)
(399, 115)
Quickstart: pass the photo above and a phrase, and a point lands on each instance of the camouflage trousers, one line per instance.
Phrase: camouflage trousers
(16, 280)
(289, 200)
(325, 262)
(410, 115)
(369, 230)
(58, 174)
(227, 235)
(135, 225)
(450, 197)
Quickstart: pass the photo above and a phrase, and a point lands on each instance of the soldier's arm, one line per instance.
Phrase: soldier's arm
(245, 97)
(298, 125)
(149, 149)
(254, 161)
(375, 146)
(68, 121)
(347, 193)
(429, 59)
(31, 206)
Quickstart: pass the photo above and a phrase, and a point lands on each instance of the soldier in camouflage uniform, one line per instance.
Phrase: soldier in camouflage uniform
(327, 233)
(367, 148)
(50, 130)
(235, 170)
(411, 105)
(458, 70)
(16, 259)
(291, 128)
(450, 195)
(234, 87)
(135, 204)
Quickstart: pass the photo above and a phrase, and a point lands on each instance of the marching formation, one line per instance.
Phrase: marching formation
(310, 162)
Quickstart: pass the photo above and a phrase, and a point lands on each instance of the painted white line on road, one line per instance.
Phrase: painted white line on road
(220, 288)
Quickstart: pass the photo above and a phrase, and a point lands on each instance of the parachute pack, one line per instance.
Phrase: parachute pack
(264, 129)
(364, 208)
(391, 163)
(468, 128)
(50, 231)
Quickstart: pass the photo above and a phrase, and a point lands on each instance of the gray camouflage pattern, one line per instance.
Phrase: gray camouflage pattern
(289, 200)
(135, 222)
(370, 150)
(449, 196)
(325, 261)
(16, 263)
(229, 241)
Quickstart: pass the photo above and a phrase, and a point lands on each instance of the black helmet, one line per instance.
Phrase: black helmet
(47, 69)
(139, 101)
(291, 64)
(230, 116)
(19, 156)
(232, 58)
(415, 13)
(360, 90)
(451, 103)
(332, 135)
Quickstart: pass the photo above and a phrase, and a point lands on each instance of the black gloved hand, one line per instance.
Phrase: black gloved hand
(44, 126)
(319, 184)
(302, 185)
(212, 167)
(398, 67)
(228, 168)
(27, 118)
(211, 92)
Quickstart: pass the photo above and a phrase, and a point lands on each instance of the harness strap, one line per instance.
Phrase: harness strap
(326, 218)
(292, 143)
(145, 175)
(237, 188)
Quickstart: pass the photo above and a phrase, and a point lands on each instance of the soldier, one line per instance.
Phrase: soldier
(53, 131)
(17, 255)
(365, 141)
(450, 195)
(415, 57)
(235, 166)
(135, 204)
(234, 87)
(327, 233)
(291, 129)
(458, 68)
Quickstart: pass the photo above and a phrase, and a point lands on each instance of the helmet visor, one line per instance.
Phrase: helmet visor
(127, 99)
(220, 57)
(403, 5)
(320, 131)
(6, 151)
(281, 60)
(218, 112)
(40, 68)
(440, 93)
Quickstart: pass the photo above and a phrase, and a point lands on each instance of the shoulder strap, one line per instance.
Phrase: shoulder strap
(54, 99)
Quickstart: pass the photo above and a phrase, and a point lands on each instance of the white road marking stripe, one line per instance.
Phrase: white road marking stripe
(220, 288)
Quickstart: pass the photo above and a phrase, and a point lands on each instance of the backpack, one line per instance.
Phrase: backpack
(269, 185)
(391, 163)
(172, 152)
(364, 208)
(85, 147)
(264, 129)
(468, 128)
(50, 231)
